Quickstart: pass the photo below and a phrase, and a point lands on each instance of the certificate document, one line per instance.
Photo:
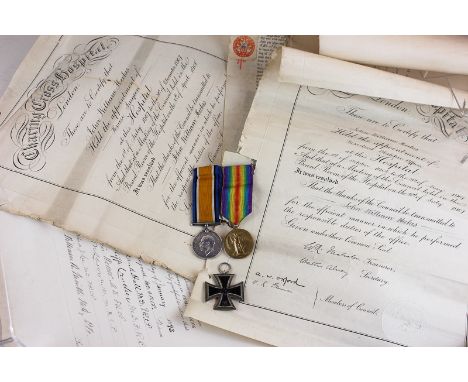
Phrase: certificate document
(360, 217)
(99, 135)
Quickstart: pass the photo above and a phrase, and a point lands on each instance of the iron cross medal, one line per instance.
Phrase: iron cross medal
(223, 292)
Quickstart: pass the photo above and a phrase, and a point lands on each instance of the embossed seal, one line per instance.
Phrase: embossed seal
(238, 243)
(243, 46)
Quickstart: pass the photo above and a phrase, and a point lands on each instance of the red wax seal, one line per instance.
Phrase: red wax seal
(243, 46)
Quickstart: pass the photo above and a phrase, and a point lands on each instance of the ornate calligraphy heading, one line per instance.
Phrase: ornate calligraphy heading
(33, 130)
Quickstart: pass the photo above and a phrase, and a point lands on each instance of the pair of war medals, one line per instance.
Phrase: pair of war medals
(222, 194)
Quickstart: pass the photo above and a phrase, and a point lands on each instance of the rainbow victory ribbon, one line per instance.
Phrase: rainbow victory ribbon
(206, 195)
(236, 199)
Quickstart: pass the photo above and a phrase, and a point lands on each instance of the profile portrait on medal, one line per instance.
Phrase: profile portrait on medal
(207, 245)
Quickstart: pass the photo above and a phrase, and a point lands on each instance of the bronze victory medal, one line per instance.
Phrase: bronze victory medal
(238, 243)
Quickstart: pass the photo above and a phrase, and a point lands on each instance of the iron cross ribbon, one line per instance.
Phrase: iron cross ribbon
(223, 292)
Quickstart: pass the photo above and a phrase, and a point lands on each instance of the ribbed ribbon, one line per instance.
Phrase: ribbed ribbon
(236, 200)
(206, 194)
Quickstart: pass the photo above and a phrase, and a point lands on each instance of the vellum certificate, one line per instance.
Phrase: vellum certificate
(360, 219)
(99, 135)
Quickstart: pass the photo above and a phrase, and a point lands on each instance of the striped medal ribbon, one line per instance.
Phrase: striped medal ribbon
(236, 204)
(206, 203)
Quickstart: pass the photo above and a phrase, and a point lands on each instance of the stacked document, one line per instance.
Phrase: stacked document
(359, 206)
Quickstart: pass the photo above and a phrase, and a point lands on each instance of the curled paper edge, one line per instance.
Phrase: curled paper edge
(309, 69)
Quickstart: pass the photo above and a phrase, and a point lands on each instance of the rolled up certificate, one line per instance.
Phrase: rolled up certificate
(447, 54)
(311, 69)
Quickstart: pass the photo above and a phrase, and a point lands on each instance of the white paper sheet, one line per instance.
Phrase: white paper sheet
(447, 54)
(439, 60)
(329, 73)
(67, 291)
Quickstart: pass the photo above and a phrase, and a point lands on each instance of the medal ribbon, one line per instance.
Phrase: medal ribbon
(236, 200)
(206, 194)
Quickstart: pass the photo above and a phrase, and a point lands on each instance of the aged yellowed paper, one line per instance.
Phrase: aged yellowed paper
(360, 222)
(99, 136)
